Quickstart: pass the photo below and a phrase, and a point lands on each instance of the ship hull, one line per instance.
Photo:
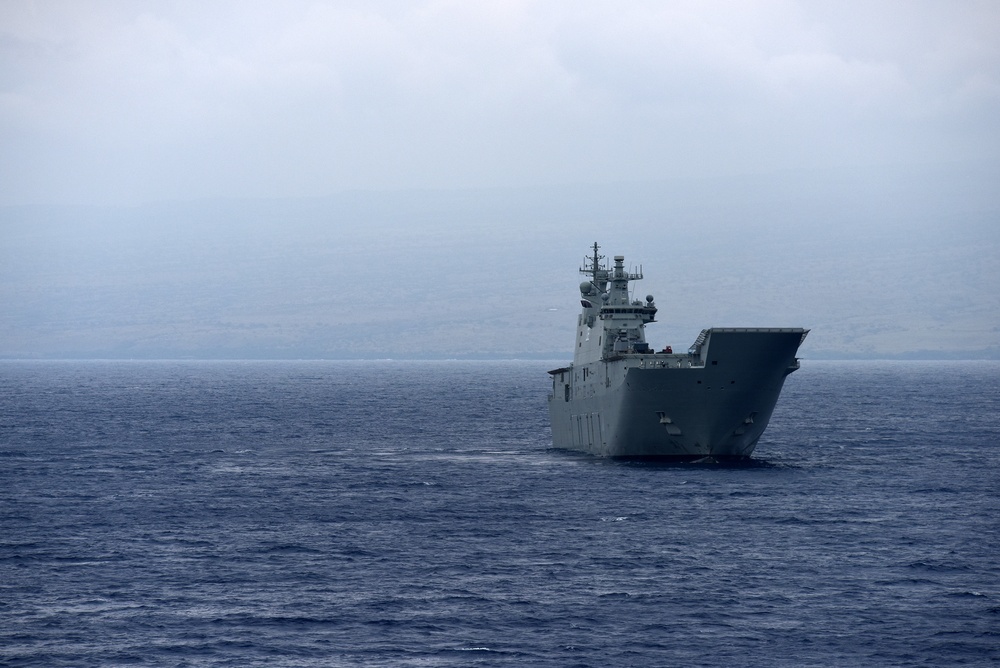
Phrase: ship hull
(715, 403)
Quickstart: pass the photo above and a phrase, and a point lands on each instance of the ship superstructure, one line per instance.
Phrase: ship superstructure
(620, 398)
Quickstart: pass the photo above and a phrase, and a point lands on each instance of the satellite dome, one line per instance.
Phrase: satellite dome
(585, 288)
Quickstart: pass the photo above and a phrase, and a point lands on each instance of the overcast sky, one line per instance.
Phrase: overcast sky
(127, 102)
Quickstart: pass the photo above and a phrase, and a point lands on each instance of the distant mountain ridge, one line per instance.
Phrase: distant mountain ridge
(900, 264)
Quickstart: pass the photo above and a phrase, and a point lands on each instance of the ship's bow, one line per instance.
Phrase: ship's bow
(719, 406)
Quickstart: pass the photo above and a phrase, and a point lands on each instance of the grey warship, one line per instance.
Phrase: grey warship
(620, 398)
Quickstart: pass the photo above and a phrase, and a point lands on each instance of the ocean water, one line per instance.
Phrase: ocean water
(415, 514)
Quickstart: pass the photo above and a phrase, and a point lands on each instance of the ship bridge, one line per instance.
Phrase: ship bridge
(611, 323)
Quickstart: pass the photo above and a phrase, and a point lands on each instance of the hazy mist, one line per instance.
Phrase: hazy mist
(310, 179)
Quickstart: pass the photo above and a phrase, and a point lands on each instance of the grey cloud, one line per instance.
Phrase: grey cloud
(137, 101)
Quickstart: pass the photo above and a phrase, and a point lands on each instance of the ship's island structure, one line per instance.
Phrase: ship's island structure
(620, 398)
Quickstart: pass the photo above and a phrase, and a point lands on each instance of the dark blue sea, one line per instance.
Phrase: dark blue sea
(415, 514)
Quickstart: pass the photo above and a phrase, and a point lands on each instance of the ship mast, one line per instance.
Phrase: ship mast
(595, 264)
(597, 259)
